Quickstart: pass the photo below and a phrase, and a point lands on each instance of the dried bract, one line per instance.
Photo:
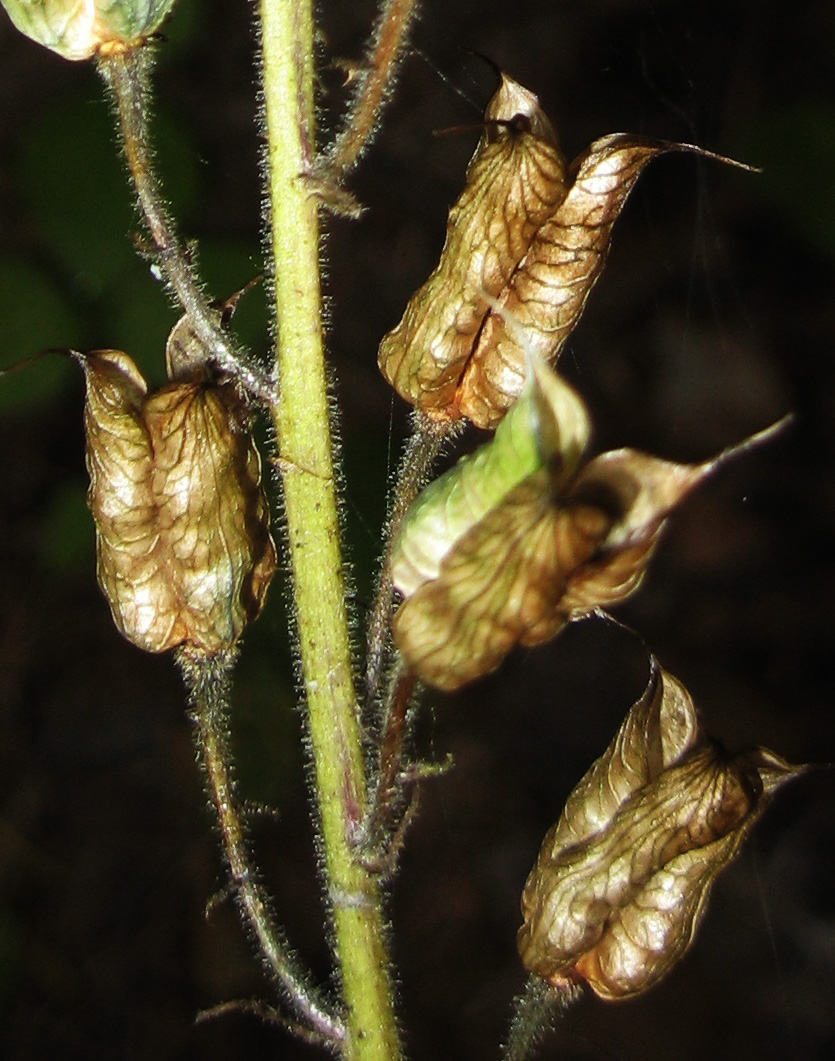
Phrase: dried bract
(517, 539)
(182, 525)
(622, 879)
(186, 354)
(80, 29)
(531, 235)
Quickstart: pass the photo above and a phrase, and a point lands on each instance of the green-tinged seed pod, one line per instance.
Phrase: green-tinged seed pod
(80, 29)
(622, 878)
(548, 428)
(182, 525)
(522, 536)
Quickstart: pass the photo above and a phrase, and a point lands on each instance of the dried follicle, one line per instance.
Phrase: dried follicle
(548, 292)
(622, 879)
(514, 180)
(527, 239)
(522, 537)
(184, 554)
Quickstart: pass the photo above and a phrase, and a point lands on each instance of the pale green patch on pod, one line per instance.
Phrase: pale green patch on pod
(548, 428)
(622, 879)
(80, 29)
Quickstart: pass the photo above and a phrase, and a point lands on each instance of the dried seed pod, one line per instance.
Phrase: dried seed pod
(182, 525)
(517, 540)
(527, 237)
(622, 878)
(79, 29)
(514, 180)
(547, 428)
(547, 294)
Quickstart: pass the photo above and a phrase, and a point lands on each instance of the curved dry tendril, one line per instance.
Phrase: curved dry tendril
(127, 77)
(208, 679)
(268, 1014)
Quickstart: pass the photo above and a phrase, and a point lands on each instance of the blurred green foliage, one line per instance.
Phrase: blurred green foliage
(36, 314)
(66, 543)
(795, 146)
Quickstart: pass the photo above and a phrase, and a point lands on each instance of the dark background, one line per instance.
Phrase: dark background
(715, 316)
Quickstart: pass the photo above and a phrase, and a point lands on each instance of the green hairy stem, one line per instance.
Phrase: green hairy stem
(208, 680)
(302, 418)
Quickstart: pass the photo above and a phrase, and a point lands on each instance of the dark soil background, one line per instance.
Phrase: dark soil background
(715, 316)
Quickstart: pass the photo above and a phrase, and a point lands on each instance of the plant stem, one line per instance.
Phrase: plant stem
(420, 453)
(127, 75)
(388, 805)
(207, 679)
(302, 424)
(374, 82)
(535, 1013)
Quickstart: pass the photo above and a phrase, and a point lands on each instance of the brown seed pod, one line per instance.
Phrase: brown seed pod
(182, 525)
(514, 180)
(548, 292)
(622, 879)
(527, 241)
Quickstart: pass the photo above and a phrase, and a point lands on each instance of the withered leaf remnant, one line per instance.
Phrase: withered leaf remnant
(182, 524)
(519, 538)
(527, 239)
(622, 879)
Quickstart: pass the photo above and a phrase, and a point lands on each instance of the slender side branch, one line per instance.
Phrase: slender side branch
(375, 79)
(422, 449)
(388, 804)
(536, 1011)
(127, 75)
(268, 1014)
(207, 680)
(302, 424)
